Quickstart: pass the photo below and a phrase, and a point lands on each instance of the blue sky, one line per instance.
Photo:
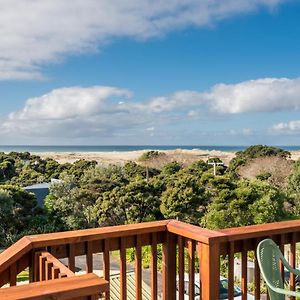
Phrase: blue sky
(219, 73)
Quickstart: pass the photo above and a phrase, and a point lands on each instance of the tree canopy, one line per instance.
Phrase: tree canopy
(89, 195)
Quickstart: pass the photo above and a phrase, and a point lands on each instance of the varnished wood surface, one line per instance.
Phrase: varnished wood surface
(175, 237)
(261, 230)
(65, 288)
(14, 252)
(57, 264)
(94, 234)
(195, 233)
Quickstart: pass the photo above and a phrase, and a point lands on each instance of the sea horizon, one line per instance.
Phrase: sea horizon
(126, 148)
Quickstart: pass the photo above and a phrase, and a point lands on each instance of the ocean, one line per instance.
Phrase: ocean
(36, 148)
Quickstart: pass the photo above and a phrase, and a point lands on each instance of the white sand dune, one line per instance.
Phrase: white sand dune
(120, 157)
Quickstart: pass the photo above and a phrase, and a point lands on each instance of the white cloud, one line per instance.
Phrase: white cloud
(177, 100)
(100, 111)
(68, 103)
(267, 94)
(260, 95)
(288, 127)
(33, 33)
(73, 111)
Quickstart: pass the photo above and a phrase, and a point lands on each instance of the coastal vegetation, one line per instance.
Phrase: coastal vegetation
(89, 195)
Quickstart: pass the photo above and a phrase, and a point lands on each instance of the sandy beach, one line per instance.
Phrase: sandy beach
(105, 158)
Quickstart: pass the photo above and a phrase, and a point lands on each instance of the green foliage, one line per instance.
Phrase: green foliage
(294, 190)
(103, 179)
(133, 171)
(254, 152)
(92, 196)
(249, 203)
(6, 214)
(198, 167)
(171, 168)
(136, 202)
(184, 199)
(294, 180)
(264, 176)
(263, 151)
(23, 276)
(17, 209)
(71, 205)
(215, 160)
(150, 155)
(80, 167)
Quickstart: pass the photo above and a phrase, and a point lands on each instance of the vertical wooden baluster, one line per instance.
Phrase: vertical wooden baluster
(13, 274)
(199, 260)
(154, 266)
(181, 267)
(31, 266)
(123, 279)
(138, 268)
(89, 257)
(71, 257)
(169, 267)
(36, 266)
(244, 272)
(191, 262)
(210, 271)
(55, 272)
(106, 265)
(231, 271)
(256, 275)
(42, 265)
(293, 263)
(49, 266)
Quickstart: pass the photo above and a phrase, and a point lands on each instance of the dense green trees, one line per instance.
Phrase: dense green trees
(254, 152)
(17, 210)
(136, 202)
(184, 198)
(249, 203)
(91, 196)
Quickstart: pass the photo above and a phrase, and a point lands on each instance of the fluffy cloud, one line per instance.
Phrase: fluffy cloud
(289, 127)
(261, 95)
(66, 103)
(73, 111)
(33, 33)
(268, 94)
(100, 111)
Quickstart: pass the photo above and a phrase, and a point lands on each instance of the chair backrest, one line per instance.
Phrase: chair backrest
(269, 257)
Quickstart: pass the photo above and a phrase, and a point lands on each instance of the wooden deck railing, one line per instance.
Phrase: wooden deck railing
(83, 287)
(184, 248)
(47, 267)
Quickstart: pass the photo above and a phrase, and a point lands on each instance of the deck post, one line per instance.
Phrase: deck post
(210, 271)
(169, 267)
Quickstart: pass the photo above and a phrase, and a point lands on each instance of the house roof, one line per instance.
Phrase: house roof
(44, 185)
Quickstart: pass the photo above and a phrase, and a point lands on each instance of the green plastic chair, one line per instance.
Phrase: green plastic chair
(269, 257)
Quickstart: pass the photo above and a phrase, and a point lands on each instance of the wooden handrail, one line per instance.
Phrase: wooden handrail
(14, 252)
(195, 233)
(84, 235)
(261, 230)
(66, 288)
(46, 259)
